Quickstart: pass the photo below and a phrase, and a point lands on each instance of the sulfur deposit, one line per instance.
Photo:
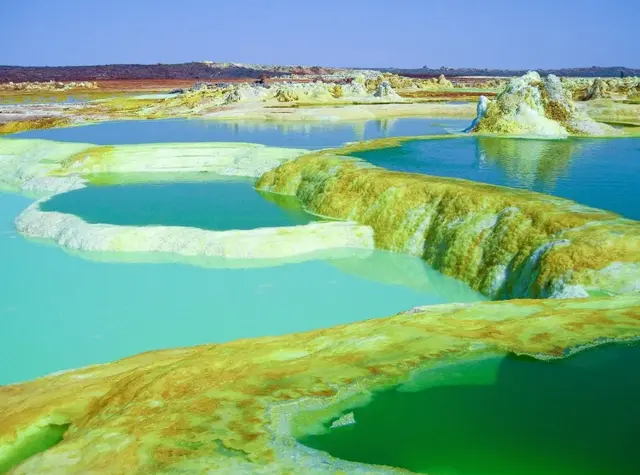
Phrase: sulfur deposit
(43, 167)
(384, 90)
(504, 242)
(530, 105)
(236, 407)
(587, 89)
(36, 123)
(49, 86)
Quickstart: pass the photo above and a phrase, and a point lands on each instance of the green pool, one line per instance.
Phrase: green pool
(504, 416)
(214, 205)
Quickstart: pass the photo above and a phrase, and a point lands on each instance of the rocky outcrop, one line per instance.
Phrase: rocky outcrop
(205, 98)
(237, 407)
(441, 83)
(504, 242)
(396, 82)
(444, 82)
(585, 89)
(385, 91)
(598, 90)
(286, 95)
(532, 106)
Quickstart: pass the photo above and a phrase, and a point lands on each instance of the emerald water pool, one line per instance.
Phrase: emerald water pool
(60, 311)
(603, 173)
(214, 205)
(279, 134)
(504, 416)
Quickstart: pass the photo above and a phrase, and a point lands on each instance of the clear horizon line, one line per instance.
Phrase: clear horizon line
(442, 68)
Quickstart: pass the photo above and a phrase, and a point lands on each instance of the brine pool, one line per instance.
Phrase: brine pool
(311, 135)
(602, 173)
(503, 416)
(215, 205)
(60, 311)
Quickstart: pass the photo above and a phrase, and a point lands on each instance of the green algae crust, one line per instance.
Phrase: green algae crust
(504, 242)
(35, 439)
(230, 406)
(15, 126)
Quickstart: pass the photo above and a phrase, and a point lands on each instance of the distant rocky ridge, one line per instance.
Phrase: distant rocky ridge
(193, 70)
(213, 70)
(126, 71)
(593, 71)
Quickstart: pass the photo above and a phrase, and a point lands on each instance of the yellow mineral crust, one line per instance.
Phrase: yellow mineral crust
(45, 167)
(33, 124)
(504, 242)
(607, 110)
(47, 86)
(231, 159)
(228, 408)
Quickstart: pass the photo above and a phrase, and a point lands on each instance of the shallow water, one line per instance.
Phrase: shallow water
(60, 311)
(310, 135)
(603, 173)
(577, 416)
(220, 205)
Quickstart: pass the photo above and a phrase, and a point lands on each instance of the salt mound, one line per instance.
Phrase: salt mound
(321, 92)
(245, 92)
(290, 92)
(598, 90)
(532, 106)
(385, 90)
(444, 82)
(355, 88)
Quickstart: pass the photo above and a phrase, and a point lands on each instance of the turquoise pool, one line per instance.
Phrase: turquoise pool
(280, 134)
(504, 416)
(215, 205)
(59, 311)
(603, 173)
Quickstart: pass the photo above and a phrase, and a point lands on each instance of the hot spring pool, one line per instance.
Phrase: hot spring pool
(283, 134)
(603, 173)
(214, 205)
(504, 416)
(60, 311)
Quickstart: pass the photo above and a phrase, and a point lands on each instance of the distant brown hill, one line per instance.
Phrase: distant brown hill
(208, 70)
(128, 71)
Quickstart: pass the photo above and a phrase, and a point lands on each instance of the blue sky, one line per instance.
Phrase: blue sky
(375, 33)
